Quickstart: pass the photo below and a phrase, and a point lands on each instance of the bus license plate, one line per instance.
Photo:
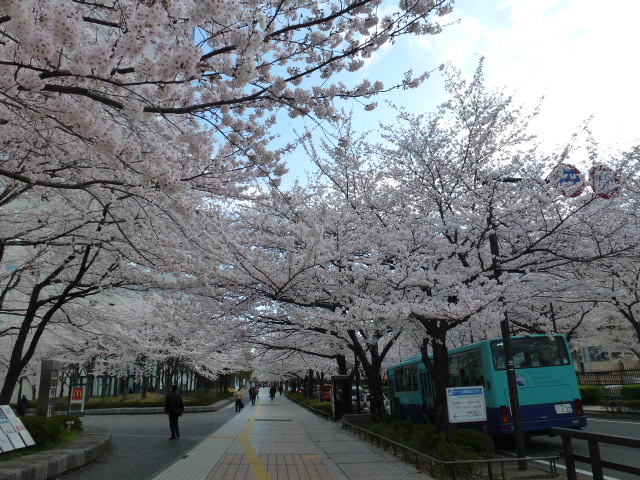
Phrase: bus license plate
(563, 408)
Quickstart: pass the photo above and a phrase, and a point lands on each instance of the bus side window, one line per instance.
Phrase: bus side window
(476, 370)
(454, 379)
(464, 378)
(463, 369)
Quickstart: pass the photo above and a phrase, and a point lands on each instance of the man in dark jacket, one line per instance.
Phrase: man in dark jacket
(174, 407)
(23, 405)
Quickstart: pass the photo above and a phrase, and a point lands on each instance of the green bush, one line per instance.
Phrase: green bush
(592, 394)
(43, 430)
(630, 392)
(473, 440)
(62, 420)
(46, 431)
(425, 440)
(323, 406)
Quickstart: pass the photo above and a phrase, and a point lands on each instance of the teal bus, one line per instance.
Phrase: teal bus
(548, 389)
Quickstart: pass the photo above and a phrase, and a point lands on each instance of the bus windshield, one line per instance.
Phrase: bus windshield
(532, 352)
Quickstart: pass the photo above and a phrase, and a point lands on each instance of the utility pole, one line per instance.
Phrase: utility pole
(508, 354)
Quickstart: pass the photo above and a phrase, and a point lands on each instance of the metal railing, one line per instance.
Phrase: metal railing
(437, 467)
(594, 459)
(612, 380)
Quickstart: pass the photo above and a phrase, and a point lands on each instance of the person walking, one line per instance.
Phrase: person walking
(23, 404)
(272, 392)
(252, 395)
(280, 389)
(238, 397)
(174, 407)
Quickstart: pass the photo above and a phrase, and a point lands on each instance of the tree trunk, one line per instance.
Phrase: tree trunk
(439, 370)
(10, 380)
(90, 382)
(20, 388)
(342, 365)
(103, 392)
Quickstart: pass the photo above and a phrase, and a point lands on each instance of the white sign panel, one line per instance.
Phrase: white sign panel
(10, 432)
(5, 444)
(466, 404)
(17, 425)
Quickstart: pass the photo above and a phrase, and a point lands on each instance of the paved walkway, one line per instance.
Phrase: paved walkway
(280, 440)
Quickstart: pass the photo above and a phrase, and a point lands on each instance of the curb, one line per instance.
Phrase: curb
(155, 410)
(91, 443)
(141, 410)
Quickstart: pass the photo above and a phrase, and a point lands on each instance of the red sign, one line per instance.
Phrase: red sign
(77, 394)
(604, 181)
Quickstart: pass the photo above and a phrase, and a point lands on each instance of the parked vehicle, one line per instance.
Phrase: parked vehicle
(362, 398)
(547, 384)
(366, 405)
(365, 402)
(325, 389)
(613, 391)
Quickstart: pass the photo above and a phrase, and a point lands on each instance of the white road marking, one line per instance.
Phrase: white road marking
(612, 421)
(583, 472)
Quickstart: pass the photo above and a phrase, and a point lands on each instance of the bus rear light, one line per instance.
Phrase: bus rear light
(504, 414)
(579, 408)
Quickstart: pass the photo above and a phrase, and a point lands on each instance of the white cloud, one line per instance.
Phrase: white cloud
(579, 53)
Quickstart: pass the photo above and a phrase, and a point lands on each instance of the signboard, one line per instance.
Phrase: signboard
(76, 403)
(17, 425)
(7, 427)
(466, 404)
(604, 181)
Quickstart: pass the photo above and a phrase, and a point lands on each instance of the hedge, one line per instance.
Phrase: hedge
(592, 394)
(46, 431)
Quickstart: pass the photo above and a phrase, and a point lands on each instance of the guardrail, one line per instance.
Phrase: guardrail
(436, 466)
(594, 459)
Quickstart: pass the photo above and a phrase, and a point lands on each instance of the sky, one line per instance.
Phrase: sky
(580, 54)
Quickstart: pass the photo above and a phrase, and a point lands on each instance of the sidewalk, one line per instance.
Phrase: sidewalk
(279, 440)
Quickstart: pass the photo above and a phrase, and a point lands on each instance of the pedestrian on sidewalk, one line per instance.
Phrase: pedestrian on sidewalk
(252, 395)
(174, 407)
(238, 396)
(280, 389)
(23, 405)
(272, 392)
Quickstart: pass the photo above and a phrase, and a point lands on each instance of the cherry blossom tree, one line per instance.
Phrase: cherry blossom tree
(614, 286)
(96, 93)
(482, 220)
(304, 263)
(450, 223)
(121, 119)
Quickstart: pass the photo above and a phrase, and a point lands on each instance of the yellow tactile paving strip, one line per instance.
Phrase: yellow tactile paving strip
(259, 469)
(248, 465)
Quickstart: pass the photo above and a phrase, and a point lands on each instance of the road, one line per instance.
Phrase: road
(605, 424)
(140, 445)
